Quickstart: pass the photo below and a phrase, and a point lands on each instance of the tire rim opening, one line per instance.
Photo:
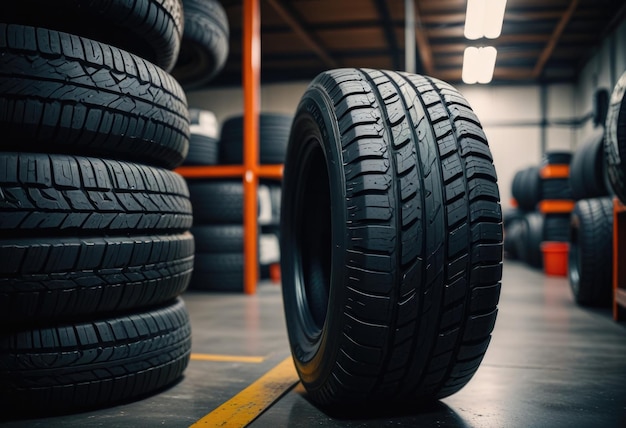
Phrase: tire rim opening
(314, 240)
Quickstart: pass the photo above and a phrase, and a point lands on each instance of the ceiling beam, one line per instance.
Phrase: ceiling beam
(388, 27)
(554, 39)
(423, 47)
(298, 28)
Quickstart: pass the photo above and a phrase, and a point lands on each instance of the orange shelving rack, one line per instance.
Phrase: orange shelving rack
(250, 171)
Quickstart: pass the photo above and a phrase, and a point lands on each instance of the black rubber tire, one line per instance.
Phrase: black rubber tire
(59, 195)
(93, 363)
(52, 279)
(216, 201)
(204, 144)
(590, 264)
(556, 227)
(204, 48)
(218, 238)
(60, 93)
(512, 236)
(615, 140)
(556, 189)
(273, 137)
(587, 169)
(203, 150)
(218, 272)
(531, 237)
(526, 188)
(151, 29)
(557, 158)
(391, 239)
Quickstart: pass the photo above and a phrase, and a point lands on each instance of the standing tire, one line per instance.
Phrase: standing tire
(93, 363)
(60, 93)
(591, 252)
(391, 239)
(615, 141)
(151, 29)
(587, 170)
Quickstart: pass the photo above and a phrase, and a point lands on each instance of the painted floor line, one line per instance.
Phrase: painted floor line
(248, 404)
(227, 358)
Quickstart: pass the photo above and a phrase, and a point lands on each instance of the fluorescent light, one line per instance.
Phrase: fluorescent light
(483, 18)
(478, 64)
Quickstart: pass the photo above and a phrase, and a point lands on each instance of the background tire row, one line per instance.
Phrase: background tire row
(95, 248)
(218, 203)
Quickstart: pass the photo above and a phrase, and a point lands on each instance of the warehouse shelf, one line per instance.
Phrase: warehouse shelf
(619, 269)
(250, 171)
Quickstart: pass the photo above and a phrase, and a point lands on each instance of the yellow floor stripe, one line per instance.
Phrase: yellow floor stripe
(246, 406)
(227, 358)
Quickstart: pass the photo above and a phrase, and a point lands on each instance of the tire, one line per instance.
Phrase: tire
(58, 195)
(204, 138)
(202, 151)
(512, 236)
(220, 238)
(61, 93)
(590, 266)
(273, 137)
(204, 47)
(218, 272)
(93, 363)
(615, 141)
(556, 227)
(526, 188)
(587, 170)
(216, 201)
(531, 237)
(557, 158)
(556, 189)
(151, 29)
(55, 278)
(391, 239)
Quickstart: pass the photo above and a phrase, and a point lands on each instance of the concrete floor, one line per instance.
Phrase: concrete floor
(550, 364)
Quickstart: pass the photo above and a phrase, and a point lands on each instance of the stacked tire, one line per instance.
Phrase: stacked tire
(523, 226)
(273, 137)
(95, 248)
(597, 174)
(556, 195)
(218, 207)
(218, 230)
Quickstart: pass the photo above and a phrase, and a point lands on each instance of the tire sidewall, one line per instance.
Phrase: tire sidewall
(314, 355)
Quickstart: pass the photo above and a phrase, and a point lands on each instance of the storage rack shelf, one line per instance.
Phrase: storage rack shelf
(250, 171)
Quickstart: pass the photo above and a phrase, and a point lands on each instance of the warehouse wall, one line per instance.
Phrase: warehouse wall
(601, 71)
(512, 116)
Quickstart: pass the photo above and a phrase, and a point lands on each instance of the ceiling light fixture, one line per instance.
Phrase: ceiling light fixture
(483, 18)
(478, 64)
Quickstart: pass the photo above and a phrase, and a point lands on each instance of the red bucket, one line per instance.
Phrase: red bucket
(555, 257)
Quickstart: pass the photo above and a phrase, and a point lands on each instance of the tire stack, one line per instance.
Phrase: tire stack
(597, 173)
(273, 138)
(556, 195)
(94, 248)
(218, 208)
(523, 225)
